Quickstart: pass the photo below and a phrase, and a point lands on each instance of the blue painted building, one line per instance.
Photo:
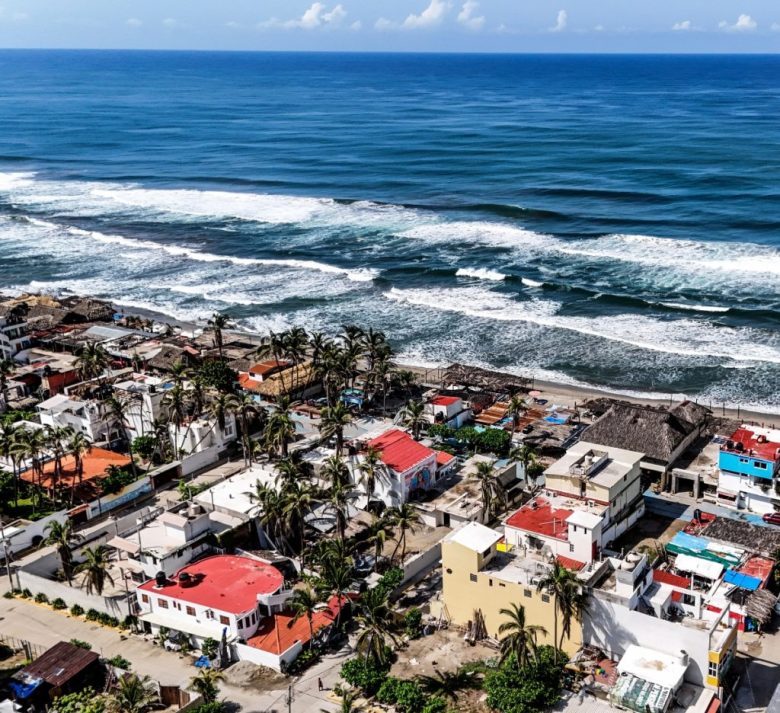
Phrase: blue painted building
(749, 463)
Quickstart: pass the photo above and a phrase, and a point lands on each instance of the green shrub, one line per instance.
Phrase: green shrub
(8, 595)
(25, 593)
(115, 481)
(441, 431)
(413, 623)
(86, 701)
(93, 615)
(76, 610)
(145, 446)
(364, 674)
(390, 580)
(213, 707)
(41, 598)
(406, 696)
(120, 662)
(307, 658)
(130, 622)
(59, 603)
(81, 644)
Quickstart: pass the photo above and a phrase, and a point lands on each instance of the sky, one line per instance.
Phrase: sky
(396, 25)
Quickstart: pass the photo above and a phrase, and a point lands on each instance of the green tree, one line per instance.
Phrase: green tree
(92, 361)
(206, 683)
(404, 518)
(334, 419)
(570, 600)
(61, 536)
(279, 429)
(217, 323)
(371, 468)
(516, 409)
(525, 455)
(216, 374)
(7, 367)
(84, 701)
(303, 603)
(518, 638)
(491, 490)
(133, 694)
(413, 417)
(374, 619)
(79, 446)
(449, 684)
(95, 568)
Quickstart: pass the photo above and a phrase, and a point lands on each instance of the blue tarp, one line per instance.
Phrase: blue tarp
(25, 690)
(203, 662)
(703, 547)
(743, 581)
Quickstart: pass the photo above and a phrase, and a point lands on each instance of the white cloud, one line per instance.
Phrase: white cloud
(431, 16)
(744, 23)
(170, 22)
(232, 24)
(317, 16)
(356, 25)
(384, 24)
(683, 26)
(560, 21)
(468, 18)
(133, 22)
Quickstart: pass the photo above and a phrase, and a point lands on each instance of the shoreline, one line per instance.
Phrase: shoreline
(562, 394)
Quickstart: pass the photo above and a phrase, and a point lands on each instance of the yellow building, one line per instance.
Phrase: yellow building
(722, 649)
(476, 575)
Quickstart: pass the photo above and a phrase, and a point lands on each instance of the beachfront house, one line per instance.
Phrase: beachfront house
(749, 465)
(13, 331)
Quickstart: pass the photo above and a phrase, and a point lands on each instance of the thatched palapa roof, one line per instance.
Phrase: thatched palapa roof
(495, 381)
(760, 605)
(288, 382)
(758, 539)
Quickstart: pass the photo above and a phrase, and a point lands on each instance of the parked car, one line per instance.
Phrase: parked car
(773, 518)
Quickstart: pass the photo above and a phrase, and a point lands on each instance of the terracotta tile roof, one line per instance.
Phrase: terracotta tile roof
(764, 449)
(279, 633)
(247, 383)
(759, 567)
(443, 458)
(94, 464)
(540, 517)
(264, 367)
(224, 582)
(569, 563)
(399, 450)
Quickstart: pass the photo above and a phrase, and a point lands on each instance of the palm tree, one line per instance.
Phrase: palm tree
(206, 684)
(298, 499)
(246, 409)
(519, 638)
(377, 537)
(491, 488)
(279, 429)
(304, 602)
(62, 538)
(336, 579)
(339, 497)
(335, 471)
(413, 417)
(448, 683)
(374, 619)
(570, 600)
(175, 403)
(118, 412)
(95, 569)
(406, 519)
(272, 513)
(180, 372)
(334, 419)
(9, 438)
(133, 695)
(371, 467)
(6, 369)
(318, 344)
(525, 454)
(92, 361)
(293, 469)
(516, 409)
(79, 446)
(347, 703)
(31, 444)
(217, 323)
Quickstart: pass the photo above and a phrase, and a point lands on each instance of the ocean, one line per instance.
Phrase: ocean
(604, 220)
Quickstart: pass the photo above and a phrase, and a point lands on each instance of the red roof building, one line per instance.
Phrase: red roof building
(540, 517)
(445, 400)
(670, 578)
(753, 444)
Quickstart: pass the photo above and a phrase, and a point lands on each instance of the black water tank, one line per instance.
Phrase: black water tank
(160, 579)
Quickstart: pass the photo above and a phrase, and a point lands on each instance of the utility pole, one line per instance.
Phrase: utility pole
(289, 699)
(7, 557)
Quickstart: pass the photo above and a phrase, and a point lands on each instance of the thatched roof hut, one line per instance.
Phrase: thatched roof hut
(473, 376)
(289, 382)
(760, 606)
(764, 541)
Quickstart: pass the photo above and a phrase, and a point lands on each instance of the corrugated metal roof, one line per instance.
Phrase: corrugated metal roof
(60, 663)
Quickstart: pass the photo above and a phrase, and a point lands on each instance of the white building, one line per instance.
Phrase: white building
(142, 396)
(203, 434)
(90, 417)
(13, 333)
(448, 410)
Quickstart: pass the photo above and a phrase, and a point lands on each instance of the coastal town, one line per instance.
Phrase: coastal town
(195, 518)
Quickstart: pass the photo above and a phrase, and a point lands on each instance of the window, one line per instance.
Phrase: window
(527, 592)
(224, 620)
(473, 577)
(689, 599)
(571, 547)
(744, 460)
(490, 582)
(759, 465)
(209, 614)
(145, 598)
(713, 669)
(501, 584)
(546, 598)
(162, 603)
(254, 618)
(191, 611)
(574, 528)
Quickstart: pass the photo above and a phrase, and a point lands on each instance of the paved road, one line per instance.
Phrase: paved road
(43, 627)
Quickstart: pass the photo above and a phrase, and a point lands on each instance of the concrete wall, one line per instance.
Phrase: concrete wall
(613, 628)
(422, 562)
(129, 493)
(37, 577)
(197, 461)
(32, 530)
(265, 658)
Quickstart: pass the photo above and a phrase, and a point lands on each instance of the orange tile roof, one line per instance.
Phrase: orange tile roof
(94, 464)
(399, 450)
(279, 633)
(539, 516)
(269, 365)
(443, 458)
(569, 563)
(247, 383)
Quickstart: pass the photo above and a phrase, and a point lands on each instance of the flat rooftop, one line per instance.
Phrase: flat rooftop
(547, 515)
(609, 465)
(236, 494)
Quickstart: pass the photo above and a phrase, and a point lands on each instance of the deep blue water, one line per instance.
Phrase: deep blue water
(610, 220)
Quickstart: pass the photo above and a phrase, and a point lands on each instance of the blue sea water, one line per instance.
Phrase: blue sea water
(606, 220)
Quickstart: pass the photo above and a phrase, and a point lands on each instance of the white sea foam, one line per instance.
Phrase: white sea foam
(500, 235)
(480, 273)
(528, 282)
(684, 337)
(694, 307)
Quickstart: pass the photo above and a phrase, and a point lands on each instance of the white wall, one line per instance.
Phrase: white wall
(613, 628)
(127, 494)
(24, 539)
(198, 461)
(421, 562)
(265, 658)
